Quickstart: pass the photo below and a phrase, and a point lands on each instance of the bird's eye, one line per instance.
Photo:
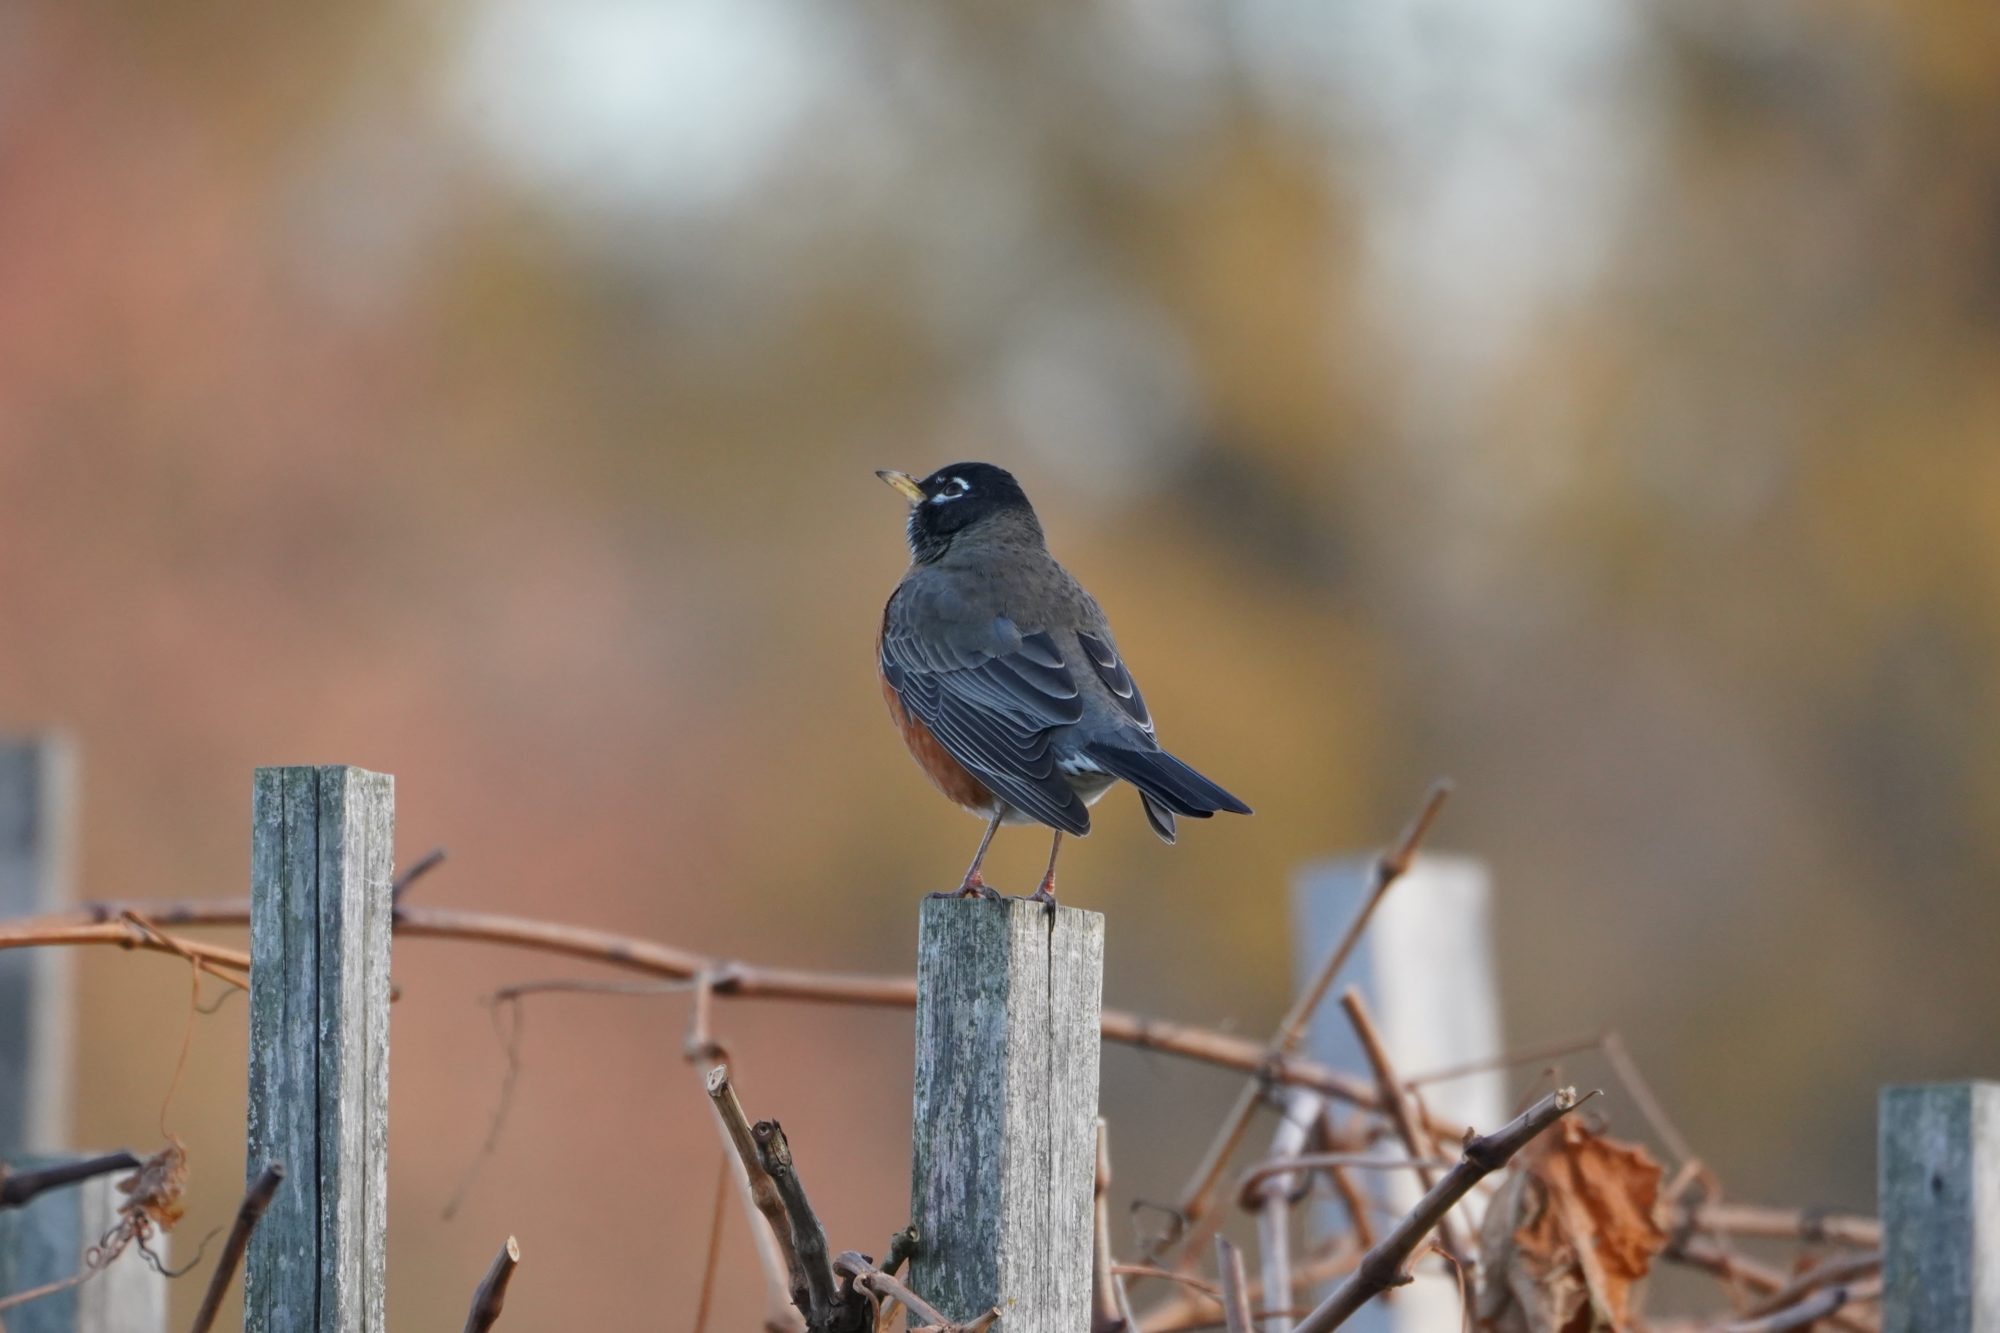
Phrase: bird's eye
(953, 489)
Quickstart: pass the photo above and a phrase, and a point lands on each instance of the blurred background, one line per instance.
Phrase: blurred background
(1595, 401)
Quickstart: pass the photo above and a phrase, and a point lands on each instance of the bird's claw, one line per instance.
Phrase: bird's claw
(974, 887)
(1044, 894)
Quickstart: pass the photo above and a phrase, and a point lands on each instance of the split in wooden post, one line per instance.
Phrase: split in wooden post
(321, 861)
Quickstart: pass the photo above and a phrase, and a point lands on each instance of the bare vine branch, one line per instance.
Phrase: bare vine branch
(491, 1295)
(18, 1187)
(1383, 1266)
(98, 923)
(255, 1200)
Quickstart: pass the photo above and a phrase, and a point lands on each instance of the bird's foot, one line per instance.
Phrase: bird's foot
(974, 887)
(1046, 893)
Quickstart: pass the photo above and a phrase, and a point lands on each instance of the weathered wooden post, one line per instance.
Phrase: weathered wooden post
(1939, 1163)
(48, 1240)
(1008, 1000)
(321, 859)
(1425, 966)
(37, 793)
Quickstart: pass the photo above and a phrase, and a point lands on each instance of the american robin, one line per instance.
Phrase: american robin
(1002, 675)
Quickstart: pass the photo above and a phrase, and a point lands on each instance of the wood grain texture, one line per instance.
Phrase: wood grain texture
(1939, 1162)
(37, 797)
(322, 857)
(1008, 1000)
(46, 1242)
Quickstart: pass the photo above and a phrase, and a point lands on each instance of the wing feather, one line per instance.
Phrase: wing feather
(1110, 669)
(991, 695)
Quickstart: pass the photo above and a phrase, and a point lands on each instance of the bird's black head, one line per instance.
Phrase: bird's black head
(956, 499)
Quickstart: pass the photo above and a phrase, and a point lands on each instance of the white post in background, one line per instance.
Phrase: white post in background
(1425, 967)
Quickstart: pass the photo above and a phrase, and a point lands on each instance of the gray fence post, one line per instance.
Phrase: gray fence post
(37, 795)
(1939, 1163)
(321, 860)
(48, 1240)
(1425, 968)
(1008, 1000)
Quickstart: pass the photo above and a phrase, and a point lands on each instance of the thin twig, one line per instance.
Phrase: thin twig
(1844, 1268)
(1199, 1303)
(1235, 1296)
(762, 1192)
(154, 937)
(884, 1286)
(1197, 1199)
(1389, 868)
(717, 1212)
(902, 1248)
(1709, 1258)
(1803, 1315)
(428, 862)
(812, 1277)
(18, 1187)
(491, 1295)
(1270, 1167)
(231, 965)
(700, 1043)
(1803, 1224)
(1271, 1194)
(508, 1019)
(1641, 1093)
(76, 1279)
(1383, 1267)
(520, 990)
(1529, 1055)
(1398, 1105)
(1693, 1185)
(255, 1200)
(1350, 1194)
(1731, 1268)
(1110, 1308)
(1188, 1280)
(1258, 1313)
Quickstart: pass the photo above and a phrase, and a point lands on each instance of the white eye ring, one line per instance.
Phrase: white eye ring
(954, 489)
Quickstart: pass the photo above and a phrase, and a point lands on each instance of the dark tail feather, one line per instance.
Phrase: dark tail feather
(1167, 782)
(1161, 818)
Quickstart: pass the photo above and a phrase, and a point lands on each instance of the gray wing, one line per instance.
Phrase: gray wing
(990, 694)
(1110, 669)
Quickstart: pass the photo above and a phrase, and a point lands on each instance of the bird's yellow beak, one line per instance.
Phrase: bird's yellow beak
(904, 483)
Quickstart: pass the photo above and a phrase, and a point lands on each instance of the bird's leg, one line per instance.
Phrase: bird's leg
(974, 886)
(1047, 892)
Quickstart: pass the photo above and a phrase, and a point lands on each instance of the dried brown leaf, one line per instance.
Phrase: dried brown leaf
(155, 1189)
(1570, 1235)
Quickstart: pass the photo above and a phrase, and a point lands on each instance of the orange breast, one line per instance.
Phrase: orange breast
(946, 773)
